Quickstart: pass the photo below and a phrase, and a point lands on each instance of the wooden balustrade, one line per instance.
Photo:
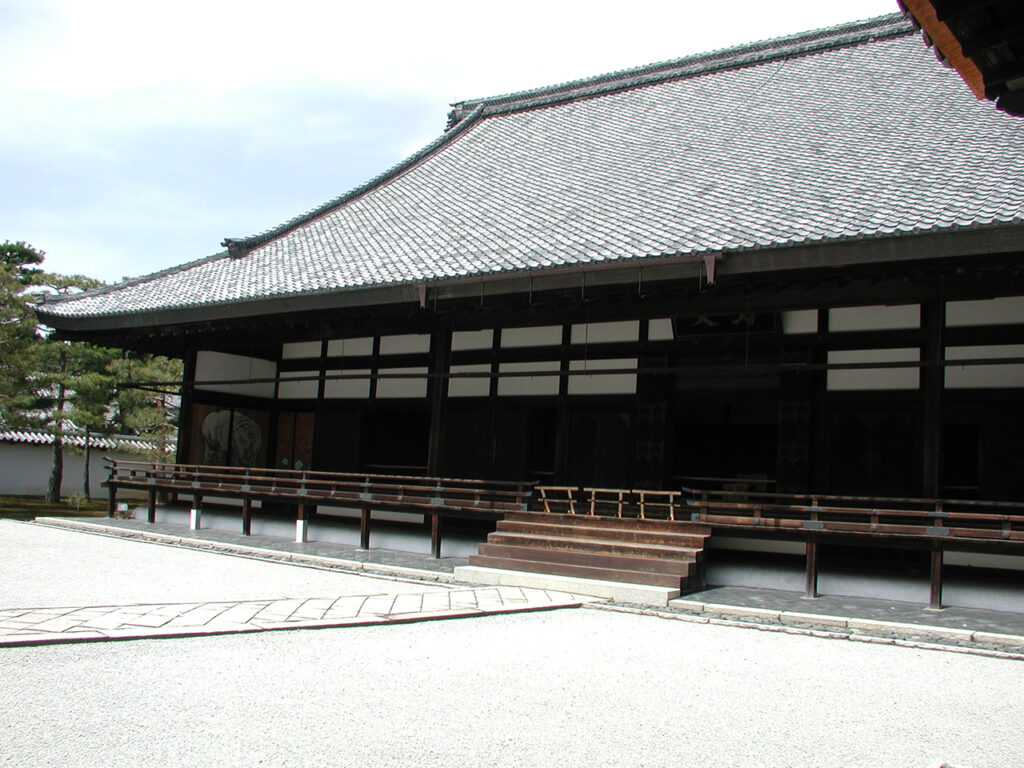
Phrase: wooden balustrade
(435, 497)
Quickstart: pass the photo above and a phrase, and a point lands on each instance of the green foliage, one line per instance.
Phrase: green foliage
(17, 335)
(147, 403)
(21, 259)
(77, 500)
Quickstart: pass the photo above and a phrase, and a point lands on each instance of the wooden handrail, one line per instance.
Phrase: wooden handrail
(320, 487)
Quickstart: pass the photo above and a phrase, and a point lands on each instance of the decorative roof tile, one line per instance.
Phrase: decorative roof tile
(120, 443)
(848, 133)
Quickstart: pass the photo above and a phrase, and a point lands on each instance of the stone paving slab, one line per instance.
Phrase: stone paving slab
(41, 626)
(964, 628)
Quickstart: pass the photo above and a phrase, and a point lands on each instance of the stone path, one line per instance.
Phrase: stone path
(41, 626)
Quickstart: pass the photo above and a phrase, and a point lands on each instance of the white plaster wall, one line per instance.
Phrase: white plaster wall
(874, 318)
(354, 388)
(350, 347)
(298, 390)
(463, 340)
(800, 321)
(874, 378)
(405, 344)
(220, 366)
(603, 333)
(660, 329)
(528, 385)
(984, 376)
(470, 387)
(395, 388)
(539, 336)
(1008, 310)
(603, 383)
(25, 469)
(984, 560)
(301, 349)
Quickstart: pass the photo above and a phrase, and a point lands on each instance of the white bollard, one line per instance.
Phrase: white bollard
(194, 519)
(301, 529)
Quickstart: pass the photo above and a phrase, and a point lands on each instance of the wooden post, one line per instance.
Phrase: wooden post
(364, 528)
(151, 507)
(195, 514)
(935, 603)
(435, 534)
(301, 525)
(246, 517)
(811, 573)
(111, 500)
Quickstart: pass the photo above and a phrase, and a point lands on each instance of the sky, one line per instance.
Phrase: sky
(137, 136)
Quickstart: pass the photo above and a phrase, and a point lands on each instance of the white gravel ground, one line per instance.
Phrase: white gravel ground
(568, 688)
(47, 567)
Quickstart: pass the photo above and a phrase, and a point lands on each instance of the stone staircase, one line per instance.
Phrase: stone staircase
(657, 553)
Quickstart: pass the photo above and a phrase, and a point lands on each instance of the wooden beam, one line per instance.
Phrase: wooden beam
(947, 43)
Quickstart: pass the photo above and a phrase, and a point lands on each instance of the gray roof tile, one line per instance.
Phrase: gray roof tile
(854, 132)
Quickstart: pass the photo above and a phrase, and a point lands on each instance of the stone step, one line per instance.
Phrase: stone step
(616, 562)
(579, 571)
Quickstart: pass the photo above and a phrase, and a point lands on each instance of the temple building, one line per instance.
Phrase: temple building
(790, 267)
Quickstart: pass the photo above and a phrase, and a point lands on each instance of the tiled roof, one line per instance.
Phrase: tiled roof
(120, 443)
(849, 133)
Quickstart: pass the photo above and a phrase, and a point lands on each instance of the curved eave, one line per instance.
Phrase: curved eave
(830, 254)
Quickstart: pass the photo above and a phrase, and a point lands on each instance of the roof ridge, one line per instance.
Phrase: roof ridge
(748, 54)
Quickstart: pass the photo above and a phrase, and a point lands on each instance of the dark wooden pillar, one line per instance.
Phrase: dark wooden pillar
(819, 460)
(653, 416)
(111, 500)
(437, 391)
(246, 517)
(185, 413)
(562, 423)
(151, 507)
(933, 379)
(811, 571)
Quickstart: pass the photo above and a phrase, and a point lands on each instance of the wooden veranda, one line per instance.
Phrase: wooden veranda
(647, 536)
